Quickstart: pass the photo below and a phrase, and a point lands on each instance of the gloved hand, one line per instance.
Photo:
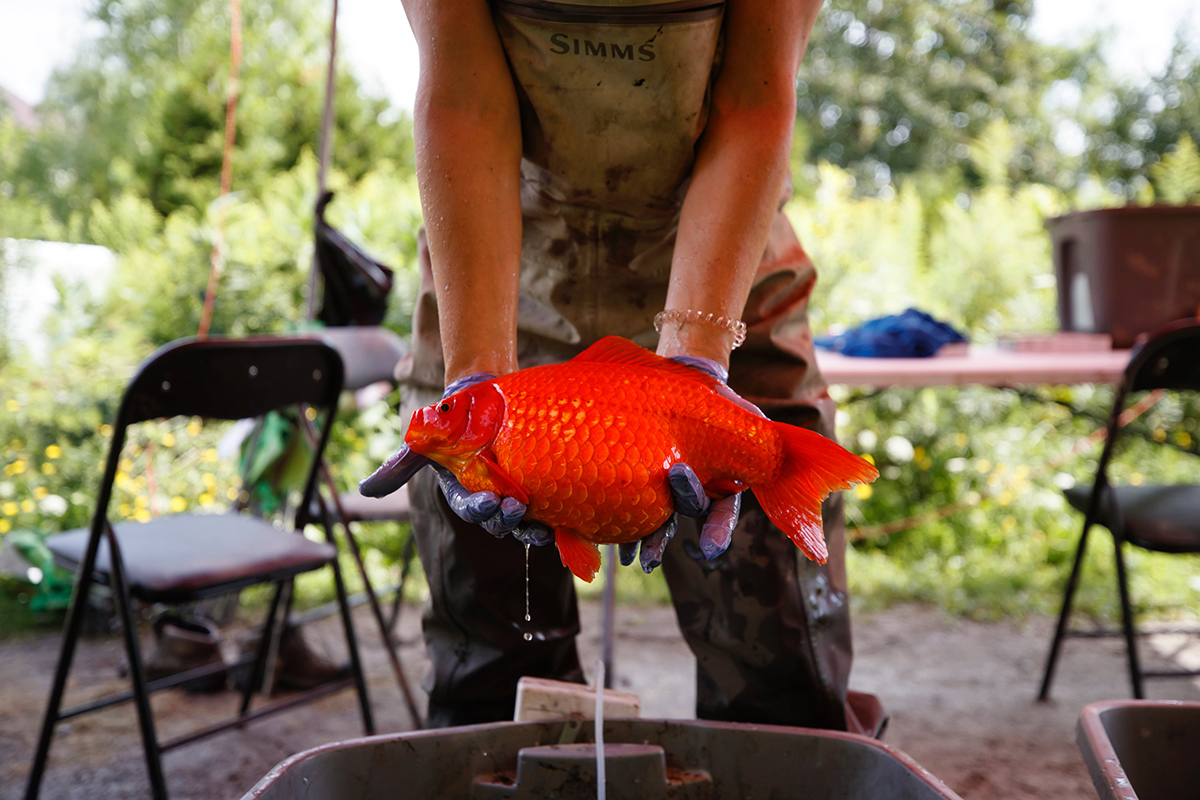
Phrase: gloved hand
(495, 515)
(720, 516)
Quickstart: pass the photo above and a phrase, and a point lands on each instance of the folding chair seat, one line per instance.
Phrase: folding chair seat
(1163, 518)
(192, 556)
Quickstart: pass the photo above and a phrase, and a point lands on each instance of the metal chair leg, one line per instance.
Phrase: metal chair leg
(137, 673)
(352, 643)
(260, 657)
(1060, 631)
(406, 557)
(1135, 671)
(79, 600)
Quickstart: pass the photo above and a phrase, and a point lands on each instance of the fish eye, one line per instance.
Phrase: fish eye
(443, 408)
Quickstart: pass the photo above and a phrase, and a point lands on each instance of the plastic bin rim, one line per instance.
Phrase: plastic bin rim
(1132, 211)
(920, 772)
(1091, 725)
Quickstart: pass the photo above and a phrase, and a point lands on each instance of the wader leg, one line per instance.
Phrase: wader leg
(474, 621)
(770, 629)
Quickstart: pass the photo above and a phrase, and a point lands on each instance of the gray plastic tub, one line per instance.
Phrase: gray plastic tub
(643, 759)
(1142, 749)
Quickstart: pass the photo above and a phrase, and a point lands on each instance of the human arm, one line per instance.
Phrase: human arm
(468, 156)
(741, 165)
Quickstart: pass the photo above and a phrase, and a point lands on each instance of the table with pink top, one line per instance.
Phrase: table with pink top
(978, 366)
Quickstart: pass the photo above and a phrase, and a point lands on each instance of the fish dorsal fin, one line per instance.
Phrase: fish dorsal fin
(616, 350)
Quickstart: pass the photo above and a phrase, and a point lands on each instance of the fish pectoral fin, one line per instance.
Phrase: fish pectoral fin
(486, 464)
(578, 554)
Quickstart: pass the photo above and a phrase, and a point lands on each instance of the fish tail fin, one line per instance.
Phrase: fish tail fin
(577, 554)
(813, 467)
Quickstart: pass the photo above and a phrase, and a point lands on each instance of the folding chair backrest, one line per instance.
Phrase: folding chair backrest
(369, 353)
(1170, 359)
(227, 379)
(232, 379)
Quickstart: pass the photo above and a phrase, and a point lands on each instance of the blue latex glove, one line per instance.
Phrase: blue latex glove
(495, 515)
(720, 516)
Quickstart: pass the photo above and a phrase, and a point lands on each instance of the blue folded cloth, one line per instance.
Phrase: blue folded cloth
(913, 334)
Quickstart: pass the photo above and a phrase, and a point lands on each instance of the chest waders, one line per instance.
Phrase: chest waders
(613, 98)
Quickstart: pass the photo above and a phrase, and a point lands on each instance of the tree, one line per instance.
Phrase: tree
(903, 86)
(142, 110)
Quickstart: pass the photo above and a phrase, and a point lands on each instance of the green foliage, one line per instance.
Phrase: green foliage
(142, 110)
(1177, 176)
(903, 87)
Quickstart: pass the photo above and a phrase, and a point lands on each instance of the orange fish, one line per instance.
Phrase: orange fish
(587, 446)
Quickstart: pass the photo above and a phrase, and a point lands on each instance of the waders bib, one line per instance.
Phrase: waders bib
(613, 99)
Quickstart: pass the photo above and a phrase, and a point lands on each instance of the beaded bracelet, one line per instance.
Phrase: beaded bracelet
(690, 317)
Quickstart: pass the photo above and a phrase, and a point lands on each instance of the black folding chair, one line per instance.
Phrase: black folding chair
(1162, 518)
(193, 556)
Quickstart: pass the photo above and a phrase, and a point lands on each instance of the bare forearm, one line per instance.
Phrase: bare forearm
(468, 151)
(741, 166)
(724, 225)
(469, 180)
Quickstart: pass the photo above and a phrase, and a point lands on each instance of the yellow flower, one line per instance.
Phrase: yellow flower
(1136, 479)
(231, 493)
(209, 480)
(5, 526)
(125, 465)
(863, 491)
(310, 413)
(918, 453)
(10, 508)
(27, 506)
(924, 463)
(193, 428)
(16, 467)
(13, 406)
(1183, 439)
(207, 499)
(49, 469)
(142, 515)
(1004, 498)
(53, 451)
(40, 492)
(168, 440)
(983, 465)
(209, 455)
(125, 509)
(870, 459)
(178, 504)
(106, 430)
(960, 439)
(1159, 435)
(141, 501)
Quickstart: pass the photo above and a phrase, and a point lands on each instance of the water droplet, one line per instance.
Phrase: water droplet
(528, 636)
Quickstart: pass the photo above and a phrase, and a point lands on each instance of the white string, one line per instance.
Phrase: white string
(600, 776)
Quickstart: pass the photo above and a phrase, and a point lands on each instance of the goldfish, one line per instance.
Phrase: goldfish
(587, 446)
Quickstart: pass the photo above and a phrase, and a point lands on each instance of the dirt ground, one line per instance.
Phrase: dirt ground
(960, 696)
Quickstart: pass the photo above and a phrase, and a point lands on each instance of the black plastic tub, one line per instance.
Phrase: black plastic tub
(1142, 749)
(643, 759)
